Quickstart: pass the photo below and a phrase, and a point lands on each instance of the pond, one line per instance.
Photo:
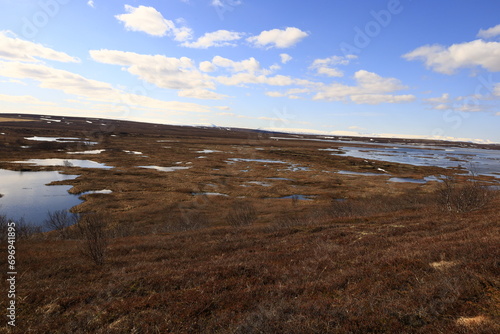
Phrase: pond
(26, 194)
(61, 140)
(63, 162)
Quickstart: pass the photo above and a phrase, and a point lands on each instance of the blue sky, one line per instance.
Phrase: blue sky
(399, 68)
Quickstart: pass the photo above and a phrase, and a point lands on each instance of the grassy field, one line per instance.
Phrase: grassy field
(364, 255)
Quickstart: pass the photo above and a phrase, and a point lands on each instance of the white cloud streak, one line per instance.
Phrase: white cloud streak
(13, 48)
(215, 39)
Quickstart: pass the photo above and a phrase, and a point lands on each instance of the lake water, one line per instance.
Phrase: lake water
(63, 162)
(26, 195)
(482, 161)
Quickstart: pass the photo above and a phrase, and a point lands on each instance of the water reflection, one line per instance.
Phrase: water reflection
(63, 162)
(26, 195)
(484, 162)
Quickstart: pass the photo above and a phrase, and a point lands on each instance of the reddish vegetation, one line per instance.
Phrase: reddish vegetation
(389, 259)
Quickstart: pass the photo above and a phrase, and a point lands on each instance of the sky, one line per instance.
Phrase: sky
(387, 68)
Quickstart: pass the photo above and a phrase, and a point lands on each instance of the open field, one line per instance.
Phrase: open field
(226, 244)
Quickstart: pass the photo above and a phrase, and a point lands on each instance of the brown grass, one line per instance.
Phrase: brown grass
(387, 259)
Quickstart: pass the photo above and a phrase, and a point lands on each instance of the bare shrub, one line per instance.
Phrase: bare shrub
(3, 227)
(464, 196)
(59, 221)
(93, 230)
(23, 230)
(26, 230)
(241, 214)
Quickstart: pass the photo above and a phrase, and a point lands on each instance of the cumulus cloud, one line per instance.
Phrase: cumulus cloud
(249, 65)
(489, 33)
(164, 72)
(277, 38)
(448, 60)
(285, 58)
(370, 89)
(323, 66)
(13, 48)
(215, 39)
(206, 66)
(149, 20)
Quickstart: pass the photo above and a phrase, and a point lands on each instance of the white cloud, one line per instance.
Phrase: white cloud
(152, 22)
(278, 38)
(489, 33)
(90, 3)
(381, 98)
(75, 84)
(164, 72)
(369, 89)
(250, 78)
(201, 94)
(323, 66)
(217, 38)
(13, 48)
(249, 65)
(222, 3)
(445, 98)
(206, 66)
(285, 58)
(448, 60)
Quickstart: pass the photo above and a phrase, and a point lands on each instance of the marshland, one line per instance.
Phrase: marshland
(223, 230)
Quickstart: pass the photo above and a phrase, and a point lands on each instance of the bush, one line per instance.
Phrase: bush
(464, 196)
(93, 230)
(23, 229)
(59, 221)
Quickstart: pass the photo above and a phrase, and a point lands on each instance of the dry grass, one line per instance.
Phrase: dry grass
(385, 260)
(8, 119)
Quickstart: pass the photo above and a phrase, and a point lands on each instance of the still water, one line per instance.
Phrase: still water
(26, 194)
(481, 161)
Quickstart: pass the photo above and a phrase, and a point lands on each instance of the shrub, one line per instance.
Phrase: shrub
(59, 221)
(23, 229)
(92, 228)
(464, 196)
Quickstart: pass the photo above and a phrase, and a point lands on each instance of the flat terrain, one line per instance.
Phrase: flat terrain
(250, 233)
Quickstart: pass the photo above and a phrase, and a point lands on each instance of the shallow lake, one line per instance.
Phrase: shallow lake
(26, 195)
(63, 162)
(482, 161)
